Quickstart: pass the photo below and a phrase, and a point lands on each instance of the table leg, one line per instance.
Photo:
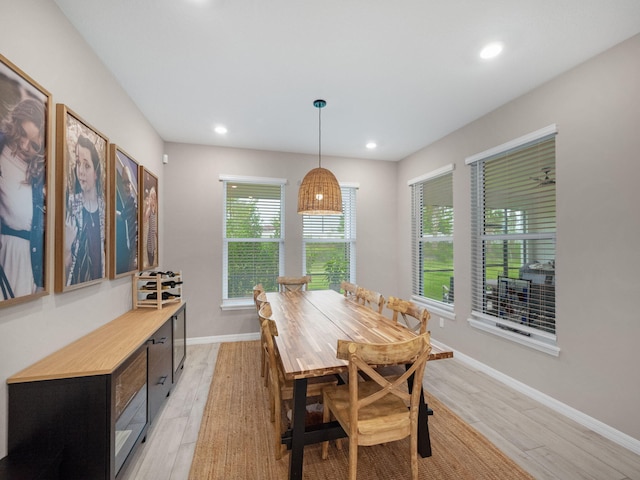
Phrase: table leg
(298, 427)
(424, 441)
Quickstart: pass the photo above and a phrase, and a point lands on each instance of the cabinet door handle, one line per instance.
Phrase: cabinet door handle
(162, 380)
(162, 340)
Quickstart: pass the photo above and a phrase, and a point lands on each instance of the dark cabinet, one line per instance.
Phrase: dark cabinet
(160, 373)
(89, 405)
(179, 341)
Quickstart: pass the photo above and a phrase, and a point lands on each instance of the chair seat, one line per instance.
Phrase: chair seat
(385, 420)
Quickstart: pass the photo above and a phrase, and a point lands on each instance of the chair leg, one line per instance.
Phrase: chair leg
(272, 403)
(262, 359)
(353, 458)
(326, 416)
(414, 455)
(278, 430)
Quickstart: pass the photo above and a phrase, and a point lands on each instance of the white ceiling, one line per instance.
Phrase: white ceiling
(402, 73)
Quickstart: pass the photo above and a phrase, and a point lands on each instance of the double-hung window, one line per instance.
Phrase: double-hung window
(432, 236)
(253, 236)
(329, 244)
(514, 240)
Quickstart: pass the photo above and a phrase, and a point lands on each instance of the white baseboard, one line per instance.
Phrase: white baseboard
(616, 436)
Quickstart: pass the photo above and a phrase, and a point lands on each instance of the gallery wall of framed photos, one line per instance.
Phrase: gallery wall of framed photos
(105, 222)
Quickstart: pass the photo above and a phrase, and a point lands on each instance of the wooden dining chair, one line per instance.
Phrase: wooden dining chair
(293, 284)
(281, 389)
(415, 318)
(375, 411)
(260, 297)
(350, 290)
(369, 298)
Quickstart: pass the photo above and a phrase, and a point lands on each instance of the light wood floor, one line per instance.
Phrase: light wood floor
(546, 444)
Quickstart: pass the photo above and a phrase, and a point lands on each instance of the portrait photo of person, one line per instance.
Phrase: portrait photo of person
(24, 125)
(125, 213)
(149, 242)
(83, 206)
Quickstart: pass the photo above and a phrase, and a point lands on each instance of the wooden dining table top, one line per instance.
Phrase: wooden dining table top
(311, 322)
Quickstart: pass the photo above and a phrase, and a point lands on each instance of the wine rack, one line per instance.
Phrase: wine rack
(156, 289)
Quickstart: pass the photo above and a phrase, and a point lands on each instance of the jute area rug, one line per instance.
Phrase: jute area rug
(236, 438)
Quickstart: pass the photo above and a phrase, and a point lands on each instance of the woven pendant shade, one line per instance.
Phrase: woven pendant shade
(319, 192)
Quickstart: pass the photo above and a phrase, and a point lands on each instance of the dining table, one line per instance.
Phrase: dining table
(310, 323)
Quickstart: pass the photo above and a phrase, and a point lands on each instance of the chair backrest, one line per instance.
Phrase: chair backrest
(293, 284)
(369, 298)
(409, 309)
(257, 290)
(363, 357)
(350, 290)
(265, 311)
(269, 331)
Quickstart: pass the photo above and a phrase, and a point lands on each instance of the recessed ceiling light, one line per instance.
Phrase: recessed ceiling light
(491, 50)
(220, 129)
(371, 145)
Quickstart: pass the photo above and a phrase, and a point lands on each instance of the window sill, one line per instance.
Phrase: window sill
(435, 308)
(240, 304)
(541, 342)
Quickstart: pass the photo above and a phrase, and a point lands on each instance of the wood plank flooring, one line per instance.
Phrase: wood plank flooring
(546, 444)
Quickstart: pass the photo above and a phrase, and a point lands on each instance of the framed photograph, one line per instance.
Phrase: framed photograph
(513, 299)
(124, 213)
(149, 215)
(81, 202)
(25, 152)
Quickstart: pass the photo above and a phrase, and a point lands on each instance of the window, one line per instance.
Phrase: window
(432, 235)
(329, 244)
(514, 240)
(253, 242)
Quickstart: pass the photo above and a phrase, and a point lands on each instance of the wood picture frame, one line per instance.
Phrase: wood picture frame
(81, 202)
(148, 220)
(124, 216)
(25, 155)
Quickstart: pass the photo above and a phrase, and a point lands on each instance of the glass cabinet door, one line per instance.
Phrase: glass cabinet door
(130, 405)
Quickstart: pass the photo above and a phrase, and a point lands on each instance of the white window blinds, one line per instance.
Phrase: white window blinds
(329, 244)
(514, 236)
(432, 235)
(253, 235)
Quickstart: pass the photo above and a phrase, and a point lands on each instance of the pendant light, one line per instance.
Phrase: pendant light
(319, 192)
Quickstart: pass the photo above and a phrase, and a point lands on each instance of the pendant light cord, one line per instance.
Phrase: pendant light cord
(320, 137)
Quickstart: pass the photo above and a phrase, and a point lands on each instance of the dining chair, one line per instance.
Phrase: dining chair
(375, 411)
(408, 310)
(350, 290)
(259, 297)
(293, 284)
(369, 298)
(281, 389)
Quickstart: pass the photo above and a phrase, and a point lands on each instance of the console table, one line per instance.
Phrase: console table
(90, 403)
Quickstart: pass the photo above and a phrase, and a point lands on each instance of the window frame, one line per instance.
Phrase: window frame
(528, 336)
(418, 238)
(350, 216)
(247, 302)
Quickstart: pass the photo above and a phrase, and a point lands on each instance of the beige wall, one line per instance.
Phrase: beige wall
(37, 38)
(193, 208)
(596, 107)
